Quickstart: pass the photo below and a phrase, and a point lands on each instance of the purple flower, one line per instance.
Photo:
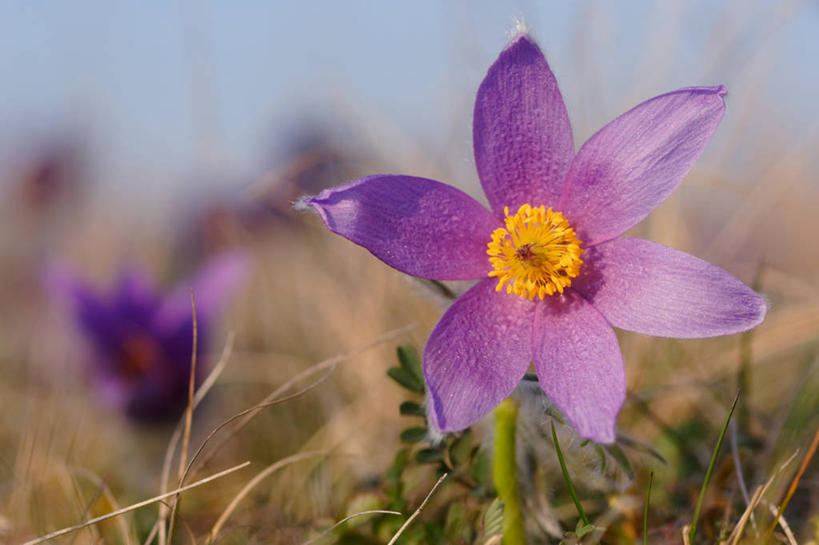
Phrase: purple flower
(555, 273)
(142, 340)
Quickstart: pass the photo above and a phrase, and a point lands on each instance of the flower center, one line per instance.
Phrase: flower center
(536, 254)
(139, 355)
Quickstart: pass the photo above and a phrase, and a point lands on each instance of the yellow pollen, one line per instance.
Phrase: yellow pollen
(536, 254)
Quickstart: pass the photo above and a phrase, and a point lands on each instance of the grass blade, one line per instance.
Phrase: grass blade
(708, 472)
(645, 511)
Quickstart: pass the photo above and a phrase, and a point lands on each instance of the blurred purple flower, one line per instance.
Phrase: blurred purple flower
(569, 275)
(142, 339)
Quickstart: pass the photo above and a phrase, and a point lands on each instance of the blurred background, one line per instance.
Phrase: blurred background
(158, 136)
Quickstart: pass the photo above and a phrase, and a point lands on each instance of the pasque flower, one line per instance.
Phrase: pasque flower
(142, 340)
(554, 272)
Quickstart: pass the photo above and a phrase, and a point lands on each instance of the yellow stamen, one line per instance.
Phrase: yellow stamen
(536, 254)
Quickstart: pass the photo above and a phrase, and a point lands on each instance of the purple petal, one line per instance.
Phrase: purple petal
(652, 289)
(134, 298)
(476, 355)
(521, 132)
(579, 364)
(632, 164)
(133, 285)
(418, 226)
(213, 286)
(94, 314)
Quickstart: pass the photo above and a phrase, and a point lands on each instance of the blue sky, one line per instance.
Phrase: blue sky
(166, 90)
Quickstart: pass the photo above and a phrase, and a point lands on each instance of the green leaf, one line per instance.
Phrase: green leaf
(641, 446)
(393, 475)
(457, 528)
(620, 457)
(434, 534)
(411, 408)
(442, 288)
(602, 454)
(583, 529)
(406, 379)
(401, 459)
(393, 486)
(554, 413)
(461, 449)
(429, 456)
(480, 469)
(493, 519)
(413, 435)
(410, 361)
(368, 501)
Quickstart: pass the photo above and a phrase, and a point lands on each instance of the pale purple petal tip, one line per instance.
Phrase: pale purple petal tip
(213, 285)
(418, 226)
(476, 355)
(579, 365)
(652, 289)
(632, 164)
(521, 132)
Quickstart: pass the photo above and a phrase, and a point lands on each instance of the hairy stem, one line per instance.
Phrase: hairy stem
(505, 472)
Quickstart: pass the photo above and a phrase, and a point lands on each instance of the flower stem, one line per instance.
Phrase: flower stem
(572, 492)
(505, 472)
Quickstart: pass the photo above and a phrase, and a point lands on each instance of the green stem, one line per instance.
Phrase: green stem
(505, 472)
(568, 479)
